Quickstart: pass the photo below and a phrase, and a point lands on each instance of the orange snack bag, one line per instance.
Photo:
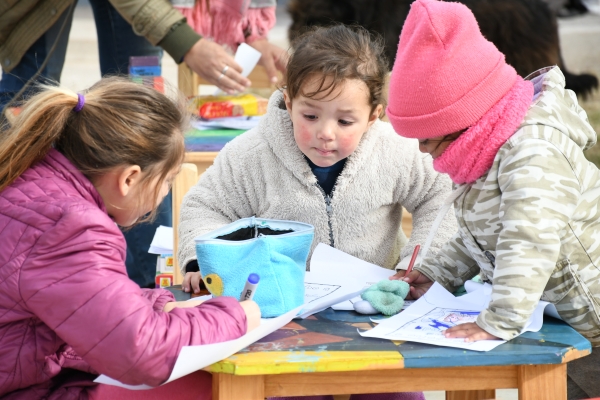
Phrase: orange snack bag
(228, 106)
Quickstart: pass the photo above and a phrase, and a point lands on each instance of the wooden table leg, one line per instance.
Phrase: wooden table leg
(541, 382)
(238, 387)
(471, 394)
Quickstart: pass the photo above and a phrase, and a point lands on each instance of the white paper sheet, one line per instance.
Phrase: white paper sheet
(194, 358)
(162, 243)
(242, 123)
(328, 260)
(426, 319)
(323, 290)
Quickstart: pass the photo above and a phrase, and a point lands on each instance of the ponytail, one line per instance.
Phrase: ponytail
(117, 123)
(37, 127)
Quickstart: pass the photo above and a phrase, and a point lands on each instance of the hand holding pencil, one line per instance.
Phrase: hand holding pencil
(419, 283)
(413, 259)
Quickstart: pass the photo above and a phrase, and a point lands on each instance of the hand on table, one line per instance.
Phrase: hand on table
(192, 279)
(419, 283)
(274, 58)
(215, 65)
(191, 282)
(470, 331)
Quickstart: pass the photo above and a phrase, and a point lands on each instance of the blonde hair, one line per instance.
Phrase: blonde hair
(121, 123)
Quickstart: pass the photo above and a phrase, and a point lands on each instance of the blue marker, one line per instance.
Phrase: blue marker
(250, 287)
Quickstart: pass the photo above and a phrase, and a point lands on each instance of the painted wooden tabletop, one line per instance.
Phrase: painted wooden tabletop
(329, 341)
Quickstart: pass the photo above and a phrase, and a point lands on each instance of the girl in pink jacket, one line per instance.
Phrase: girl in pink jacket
(72, 168)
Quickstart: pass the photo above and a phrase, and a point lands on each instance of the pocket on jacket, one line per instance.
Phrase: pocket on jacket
(560, 283)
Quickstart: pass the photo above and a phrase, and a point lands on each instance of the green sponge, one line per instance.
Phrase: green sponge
(387, 296)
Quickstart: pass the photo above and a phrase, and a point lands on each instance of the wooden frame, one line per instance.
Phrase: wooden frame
(187, 177)
(534, 382)
(188, 81)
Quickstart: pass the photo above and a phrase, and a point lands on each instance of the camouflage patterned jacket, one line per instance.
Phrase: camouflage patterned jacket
(531, 225)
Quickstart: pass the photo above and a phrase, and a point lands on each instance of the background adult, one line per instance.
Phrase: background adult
(33, 42)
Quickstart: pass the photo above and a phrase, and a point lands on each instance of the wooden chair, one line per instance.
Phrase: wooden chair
(187, 177)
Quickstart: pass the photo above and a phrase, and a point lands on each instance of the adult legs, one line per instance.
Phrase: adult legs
(116, 43)
(57, 36)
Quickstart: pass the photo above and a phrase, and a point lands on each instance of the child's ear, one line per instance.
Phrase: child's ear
(375, 114)
(287, 100)
(129, 177)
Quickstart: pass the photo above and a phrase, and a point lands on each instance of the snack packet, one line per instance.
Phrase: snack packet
(209, 107)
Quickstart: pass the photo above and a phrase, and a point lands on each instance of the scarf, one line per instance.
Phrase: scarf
(472, 154)
(229, 22)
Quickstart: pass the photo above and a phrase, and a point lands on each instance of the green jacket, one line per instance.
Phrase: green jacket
(531, 225)
(22, 22)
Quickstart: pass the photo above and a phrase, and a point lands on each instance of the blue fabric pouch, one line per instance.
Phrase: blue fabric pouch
(275, 250)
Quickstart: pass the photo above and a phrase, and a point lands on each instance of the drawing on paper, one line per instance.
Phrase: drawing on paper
(315, 291)
(436, 321)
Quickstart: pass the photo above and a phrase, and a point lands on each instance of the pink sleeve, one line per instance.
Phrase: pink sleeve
(258, 22)
(158, 297)
(75, 281)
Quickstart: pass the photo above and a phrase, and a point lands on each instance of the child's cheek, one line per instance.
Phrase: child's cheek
(347, 144)
(303, 134)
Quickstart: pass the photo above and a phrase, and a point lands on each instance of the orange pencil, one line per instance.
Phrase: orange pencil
(411, 264)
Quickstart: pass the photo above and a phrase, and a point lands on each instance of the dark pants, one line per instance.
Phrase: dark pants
(33, 59)
(116, 43)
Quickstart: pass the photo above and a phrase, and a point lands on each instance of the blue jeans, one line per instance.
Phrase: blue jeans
(116, 43)
(14, 81)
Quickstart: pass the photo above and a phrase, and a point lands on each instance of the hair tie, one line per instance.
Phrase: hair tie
(80, 102)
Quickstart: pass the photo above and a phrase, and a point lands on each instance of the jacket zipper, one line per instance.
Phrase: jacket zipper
(329, 210)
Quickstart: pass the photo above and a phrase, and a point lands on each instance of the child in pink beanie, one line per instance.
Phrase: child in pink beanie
(526, 198)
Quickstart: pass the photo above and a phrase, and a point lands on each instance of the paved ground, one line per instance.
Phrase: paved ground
(579, 41)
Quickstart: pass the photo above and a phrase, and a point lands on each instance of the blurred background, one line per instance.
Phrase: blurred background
(579, 36)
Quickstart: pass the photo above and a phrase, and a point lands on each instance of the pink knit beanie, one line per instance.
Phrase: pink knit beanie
(446, 75)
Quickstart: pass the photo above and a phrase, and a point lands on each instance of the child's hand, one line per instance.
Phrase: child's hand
(252, 314)
(470, 331)
(181, 304)
(191, 281)
(273, 58)
(419, 283)
(398, 275)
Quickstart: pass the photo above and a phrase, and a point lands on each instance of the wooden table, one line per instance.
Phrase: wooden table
(324, 354)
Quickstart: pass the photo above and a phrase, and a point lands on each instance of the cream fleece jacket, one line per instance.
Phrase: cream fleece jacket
(263, 173)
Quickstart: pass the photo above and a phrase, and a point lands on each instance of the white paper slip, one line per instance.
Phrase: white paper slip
(194, 358)
(247, 57)
(162, 243)
(242, 123)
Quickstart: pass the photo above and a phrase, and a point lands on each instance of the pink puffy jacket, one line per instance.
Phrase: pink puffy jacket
(67, 309)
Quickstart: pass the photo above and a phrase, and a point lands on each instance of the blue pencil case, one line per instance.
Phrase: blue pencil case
(276, 250)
